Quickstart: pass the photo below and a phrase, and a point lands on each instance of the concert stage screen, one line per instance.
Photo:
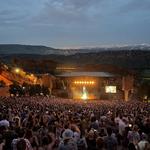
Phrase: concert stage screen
(110, 89)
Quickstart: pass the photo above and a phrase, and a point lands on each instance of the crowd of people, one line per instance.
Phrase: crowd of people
(42, 123)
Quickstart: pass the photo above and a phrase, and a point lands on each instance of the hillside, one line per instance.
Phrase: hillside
(43, 50)
(127, 59)
(137, 58)
(24, 49)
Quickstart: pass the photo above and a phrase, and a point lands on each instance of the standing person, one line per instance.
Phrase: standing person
(76, 132)
(122, 124)
(8, 136)
(48, 142)
(134, 136)
(21, 145)
(21, 133)
(142, 145)
(1, 142)
(91, 140)
(100, 144)
(110, 140)
(67, 143)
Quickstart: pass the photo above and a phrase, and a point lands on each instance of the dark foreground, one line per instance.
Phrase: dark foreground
(41, 123)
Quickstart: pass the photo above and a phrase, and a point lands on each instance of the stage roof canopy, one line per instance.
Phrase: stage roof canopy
(89, 74)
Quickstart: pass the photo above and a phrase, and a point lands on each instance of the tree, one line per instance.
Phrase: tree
(2, 83)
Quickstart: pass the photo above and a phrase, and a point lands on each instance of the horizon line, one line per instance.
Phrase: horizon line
(80, 47)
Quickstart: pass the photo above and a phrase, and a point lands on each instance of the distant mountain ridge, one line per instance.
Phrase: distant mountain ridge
(24, 49)
(133, 57)
(44, 50)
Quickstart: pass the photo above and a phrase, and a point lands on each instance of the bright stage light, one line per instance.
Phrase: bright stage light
(32, 75)
(17, 70)
(84, 82)
(84, 95)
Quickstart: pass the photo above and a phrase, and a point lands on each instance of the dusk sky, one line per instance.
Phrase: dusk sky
(75, 23)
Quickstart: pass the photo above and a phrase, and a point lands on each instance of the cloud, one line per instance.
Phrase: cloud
(74, 21)
(68, 11)
(136, 5)
(19, 10)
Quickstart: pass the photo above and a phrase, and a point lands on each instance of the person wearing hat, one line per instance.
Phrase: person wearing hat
(67, 142)
(4, 121)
